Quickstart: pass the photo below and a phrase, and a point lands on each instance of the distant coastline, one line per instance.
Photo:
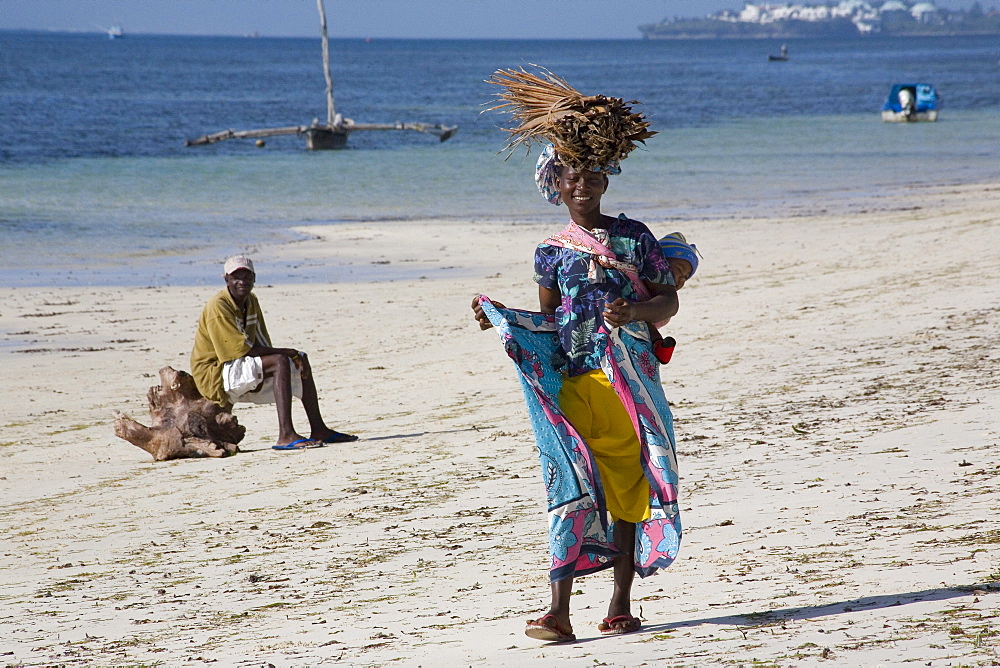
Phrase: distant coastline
(850, 18)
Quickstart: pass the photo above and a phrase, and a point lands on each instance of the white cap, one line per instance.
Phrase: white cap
(238, 262)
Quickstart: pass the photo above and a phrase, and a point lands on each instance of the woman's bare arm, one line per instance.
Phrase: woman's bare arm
(548, 300)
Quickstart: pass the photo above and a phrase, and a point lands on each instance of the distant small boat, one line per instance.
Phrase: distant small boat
(114, 32)
(910, 102)
(782, 56)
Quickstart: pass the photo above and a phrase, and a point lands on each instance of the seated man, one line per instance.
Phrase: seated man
(233, 361)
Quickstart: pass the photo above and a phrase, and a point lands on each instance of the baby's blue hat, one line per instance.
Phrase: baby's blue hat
(675, 245)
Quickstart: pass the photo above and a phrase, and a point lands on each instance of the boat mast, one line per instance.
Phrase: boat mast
(326, 64)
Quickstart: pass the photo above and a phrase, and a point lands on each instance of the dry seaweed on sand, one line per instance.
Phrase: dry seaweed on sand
(588, 131)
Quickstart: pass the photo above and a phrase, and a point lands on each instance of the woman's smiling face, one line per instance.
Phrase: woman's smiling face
(581, 190)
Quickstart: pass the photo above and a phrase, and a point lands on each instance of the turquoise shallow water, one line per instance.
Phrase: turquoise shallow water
(120, 200)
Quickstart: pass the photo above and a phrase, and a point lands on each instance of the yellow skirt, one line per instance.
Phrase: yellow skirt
(592, 405)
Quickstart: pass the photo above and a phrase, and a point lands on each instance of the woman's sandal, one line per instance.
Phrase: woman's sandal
(616, 626)
(547, 628)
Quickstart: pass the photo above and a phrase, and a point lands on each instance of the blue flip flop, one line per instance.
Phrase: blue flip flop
(339, 437)
(294, 445)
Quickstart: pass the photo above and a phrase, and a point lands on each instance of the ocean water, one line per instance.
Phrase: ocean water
(97, 187)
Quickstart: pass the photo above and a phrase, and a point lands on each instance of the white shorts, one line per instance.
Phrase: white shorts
(244, 382)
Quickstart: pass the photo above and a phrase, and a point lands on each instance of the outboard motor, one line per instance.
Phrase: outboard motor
(908, 102)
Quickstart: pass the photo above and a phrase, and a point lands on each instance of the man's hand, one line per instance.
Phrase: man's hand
(298, 358)
(301, 363)
(618, 313)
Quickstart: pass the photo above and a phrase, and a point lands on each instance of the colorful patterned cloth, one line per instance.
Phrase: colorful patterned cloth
(566, 263)
(581, 531)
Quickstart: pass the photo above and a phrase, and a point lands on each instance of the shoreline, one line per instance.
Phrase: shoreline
(290, 259)
(834, 390)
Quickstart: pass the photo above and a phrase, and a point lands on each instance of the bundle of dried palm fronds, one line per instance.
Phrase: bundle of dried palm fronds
(588, 132)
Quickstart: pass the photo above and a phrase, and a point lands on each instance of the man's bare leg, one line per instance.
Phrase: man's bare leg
(310, 401)
(318, 431)
(279, 368)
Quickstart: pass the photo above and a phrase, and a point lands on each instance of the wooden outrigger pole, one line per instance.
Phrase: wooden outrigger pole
(333, 133)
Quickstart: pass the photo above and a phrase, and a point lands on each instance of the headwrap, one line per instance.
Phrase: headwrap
(676, 246)
(545, 174)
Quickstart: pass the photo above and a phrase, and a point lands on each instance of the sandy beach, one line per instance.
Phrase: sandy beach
(835, 388)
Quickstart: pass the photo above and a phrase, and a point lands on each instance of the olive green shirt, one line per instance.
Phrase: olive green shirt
(225, 333)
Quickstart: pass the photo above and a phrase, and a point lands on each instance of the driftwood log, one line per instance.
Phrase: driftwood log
(185, 424)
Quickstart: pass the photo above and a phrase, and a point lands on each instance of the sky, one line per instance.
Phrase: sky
(561, 19)
(474, 19)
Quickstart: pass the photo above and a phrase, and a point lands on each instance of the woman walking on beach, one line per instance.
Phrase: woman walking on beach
(602, 425)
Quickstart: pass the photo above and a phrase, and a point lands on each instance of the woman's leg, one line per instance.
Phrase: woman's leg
(557, 618)
(597, 413)
(624, 569)
(561, 591)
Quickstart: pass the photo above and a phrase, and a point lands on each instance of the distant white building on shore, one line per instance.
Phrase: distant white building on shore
(893, 6)
(864, 16)
(924, 12)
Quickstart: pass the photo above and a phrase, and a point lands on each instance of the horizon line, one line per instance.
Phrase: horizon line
(127, 34)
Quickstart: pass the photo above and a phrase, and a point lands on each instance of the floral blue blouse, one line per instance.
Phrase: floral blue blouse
(583, 299)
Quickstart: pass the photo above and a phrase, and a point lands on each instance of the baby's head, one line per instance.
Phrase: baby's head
(681, 256)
